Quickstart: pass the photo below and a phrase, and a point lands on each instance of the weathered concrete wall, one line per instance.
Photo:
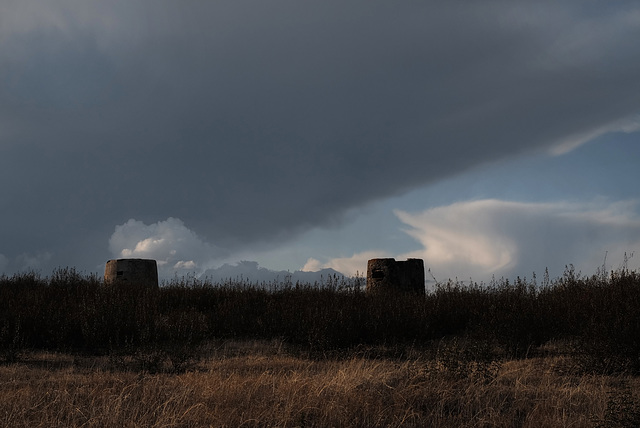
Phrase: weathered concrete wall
(392, 275)
(134, 272)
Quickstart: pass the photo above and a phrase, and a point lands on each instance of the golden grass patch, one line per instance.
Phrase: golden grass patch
(265, 388)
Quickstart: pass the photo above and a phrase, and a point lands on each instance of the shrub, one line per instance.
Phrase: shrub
(598, 315)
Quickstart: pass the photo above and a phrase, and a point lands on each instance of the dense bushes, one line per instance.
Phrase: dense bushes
(70, 312)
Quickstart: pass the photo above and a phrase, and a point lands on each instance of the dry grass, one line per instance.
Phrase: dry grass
(261, 386)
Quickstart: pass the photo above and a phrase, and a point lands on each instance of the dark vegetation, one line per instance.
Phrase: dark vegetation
(596, 318)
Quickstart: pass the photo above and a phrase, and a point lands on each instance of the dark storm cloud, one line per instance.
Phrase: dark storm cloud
(253, 120)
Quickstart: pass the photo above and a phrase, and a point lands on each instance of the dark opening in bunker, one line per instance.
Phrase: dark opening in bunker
(377, 274)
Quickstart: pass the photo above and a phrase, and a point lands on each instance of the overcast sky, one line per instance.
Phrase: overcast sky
(494, 137)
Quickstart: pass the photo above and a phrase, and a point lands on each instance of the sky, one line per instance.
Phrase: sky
(495, 138)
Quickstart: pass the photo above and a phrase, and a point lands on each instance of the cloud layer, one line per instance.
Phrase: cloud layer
(482, 238)
(253, 121)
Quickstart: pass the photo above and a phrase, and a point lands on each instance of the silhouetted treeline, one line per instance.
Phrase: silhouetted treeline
(597, 317)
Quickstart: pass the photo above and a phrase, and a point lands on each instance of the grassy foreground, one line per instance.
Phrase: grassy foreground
(563, 352)
(259, 385)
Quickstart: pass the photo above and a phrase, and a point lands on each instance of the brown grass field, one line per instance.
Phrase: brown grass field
(259, 384)
(523, 353)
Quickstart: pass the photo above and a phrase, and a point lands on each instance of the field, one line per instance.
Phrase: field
(561, 352)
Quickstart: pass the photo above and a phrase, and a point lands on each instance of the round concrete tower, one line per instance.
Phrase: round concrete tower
(389, 275)
(134, 272)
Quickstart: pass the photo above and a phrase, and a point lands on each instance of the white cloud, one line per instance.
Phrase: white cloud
(312, 265)
(572, 142)
(174, 246)
(185, 265)
(349, 266)
(476, 239)
(450, 236)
